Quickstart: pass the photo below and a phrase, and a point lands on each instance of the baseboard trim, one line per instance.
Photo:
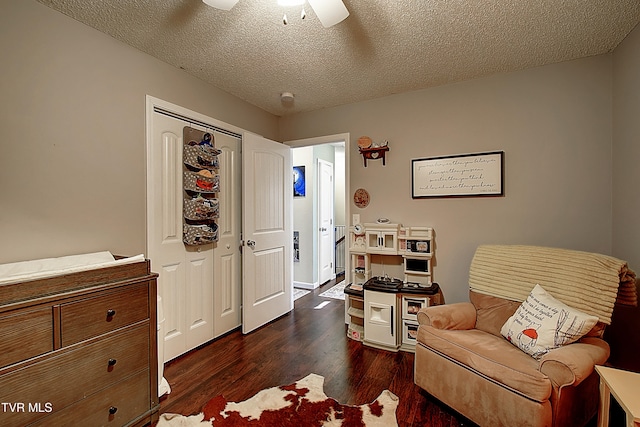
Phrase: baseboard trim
(305, 285)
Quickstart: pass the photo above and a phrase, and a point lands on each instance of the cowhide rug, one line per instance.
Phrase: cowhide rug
(302, 403)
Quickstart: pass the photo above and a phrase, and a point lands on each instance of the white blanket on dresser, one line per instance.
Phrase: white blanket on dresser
(49, 267)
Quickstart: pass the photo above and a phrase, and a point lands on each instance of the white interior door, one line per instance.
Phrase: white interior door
(325, 221)
(268, 231)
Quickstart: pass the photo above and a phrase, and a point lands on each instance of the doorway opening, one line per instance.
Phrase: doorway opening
(320, 210)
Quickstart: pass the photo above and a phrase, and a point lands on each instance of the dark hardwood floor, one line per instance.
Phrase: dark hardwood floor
(304, 341)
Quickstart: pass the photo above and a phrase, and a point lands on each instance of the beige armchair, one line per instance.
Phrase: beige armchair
(463, 359)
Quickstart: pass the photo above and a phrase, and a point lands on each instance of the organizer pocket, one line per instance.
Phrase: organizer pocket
(199, 234)
(204, 181)
(200, 208)
(201, 156)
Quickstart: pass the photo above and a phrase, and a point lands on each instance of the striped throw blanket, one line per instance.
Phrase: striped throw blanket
(589, 282)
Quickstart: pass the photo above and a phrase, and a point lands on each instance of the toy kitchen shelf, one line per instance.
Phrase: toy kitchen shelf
(380, 317)
(413, 244)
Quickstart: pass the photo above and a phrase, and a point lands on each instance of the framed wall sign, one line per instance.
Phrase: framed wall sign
(464, 175)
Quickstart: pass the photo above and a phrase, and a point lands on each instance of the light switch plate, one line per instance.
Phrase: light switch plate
(355, 219)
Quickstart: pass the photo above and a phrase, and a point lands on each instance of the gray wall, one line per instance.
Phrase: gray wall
(72, 156)
(626, 196)
(626, 149)
(554, 124)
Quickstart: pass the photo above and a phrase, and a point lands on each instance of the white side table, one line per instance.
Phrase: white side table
(625, 388)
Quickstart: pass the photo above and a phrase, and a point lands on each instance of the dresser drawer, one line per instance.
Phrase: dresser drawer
(97, 315)
(25, 334)
(67, 376)
(116, 406)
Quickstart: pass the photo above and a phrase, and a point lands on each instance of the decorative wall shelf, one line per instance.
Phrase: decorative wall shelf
(374, 153)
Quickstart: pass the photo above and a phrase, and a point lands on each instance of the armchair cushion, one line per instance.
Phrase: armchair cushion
(461, 315)
(491, 357)
(543, 323)
(494, 358)
(492, 312)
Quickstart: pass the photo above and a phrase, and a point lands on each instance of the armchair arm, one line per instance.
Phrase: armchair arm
(573, 363)
(460, 315)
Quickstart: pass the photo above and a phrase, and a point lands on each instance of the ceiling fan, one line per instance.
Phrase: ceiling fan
(329, 12)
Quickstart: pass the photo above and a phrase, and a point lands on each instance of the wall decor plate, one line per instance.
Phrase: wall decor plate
(361, 198)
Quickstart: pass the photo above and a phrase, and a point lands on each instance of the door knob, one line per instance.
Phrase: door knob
(251, 244)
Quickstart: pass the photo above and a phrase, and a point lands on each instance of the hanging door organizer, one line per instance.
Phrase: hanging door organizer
(201, 184)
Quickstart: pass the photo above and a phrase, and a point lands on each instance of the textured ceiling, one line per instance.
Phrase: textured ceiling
(383, 47)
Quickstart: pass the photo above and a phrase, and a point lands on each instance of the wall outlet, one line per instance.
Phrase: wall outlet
(355, 219)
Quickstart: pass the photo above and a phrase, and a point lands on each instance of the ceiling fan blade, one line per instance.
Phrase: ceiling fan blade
(329, 12)
(221, 4)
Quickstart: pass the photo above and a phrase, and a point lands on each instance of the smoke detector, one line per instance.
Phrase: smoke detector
(286, 97)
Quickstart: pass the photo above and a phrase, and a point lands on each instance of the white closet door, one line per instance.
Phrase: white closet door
(227, 261)
(185, 280)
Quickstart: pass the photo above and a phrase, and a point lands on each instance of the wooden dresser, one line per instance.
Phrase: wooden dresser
(80, 349)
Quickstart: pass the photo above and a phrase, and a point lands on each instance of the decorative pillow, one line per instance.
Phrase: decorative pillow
(543, 323)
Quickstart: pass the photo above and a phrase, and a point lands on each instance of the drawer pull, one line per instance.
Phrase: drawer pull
(111, 313)
(112, 362)
(113, 410)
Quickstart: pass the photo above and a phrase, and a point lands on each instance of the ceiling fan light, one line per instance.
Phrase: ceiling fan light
(221, 4)
(287, 3)
(329, 12)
